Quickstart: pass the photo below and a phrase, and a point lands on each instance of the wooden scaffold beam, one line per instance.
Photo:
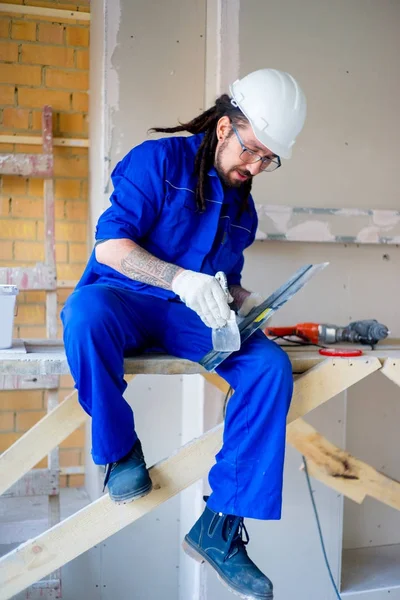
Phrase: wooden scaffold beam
(36, 558)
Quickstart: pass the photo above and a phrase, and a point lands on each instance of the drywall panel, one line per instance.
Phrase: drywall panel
(345, 54)
(157, 69)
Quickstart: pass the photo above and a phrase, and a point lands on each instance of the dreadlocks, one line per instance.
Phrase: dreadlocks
(207, 123)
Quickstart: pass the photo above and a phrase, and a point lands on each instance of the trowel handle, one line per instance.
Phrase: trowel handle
(222, 280)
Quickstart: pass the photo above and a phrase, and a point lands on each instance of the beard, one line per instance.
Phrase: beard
(224, 174)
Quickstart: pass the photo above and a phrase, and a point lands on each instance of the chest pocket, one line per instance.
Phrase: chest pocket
(232, 239)
(179, 221)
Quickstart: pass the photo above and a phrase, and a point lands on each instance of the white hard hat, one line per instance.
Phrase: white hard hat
(275, 105)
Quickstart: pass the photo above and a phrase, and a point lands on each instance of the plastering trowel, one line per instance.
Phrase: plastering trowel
(226, 338)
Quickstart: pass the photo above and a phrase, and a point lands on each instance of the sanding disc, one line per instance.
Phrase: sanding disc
(340, 352)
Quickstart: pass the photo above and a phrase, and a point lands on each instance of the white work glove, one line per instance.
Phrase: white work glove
(203, 294)
(249, 303)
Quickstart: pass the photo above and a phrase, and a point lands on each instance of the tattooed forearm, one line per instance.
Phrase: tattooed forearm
(143, 266)
(130, 259)
(239, 295)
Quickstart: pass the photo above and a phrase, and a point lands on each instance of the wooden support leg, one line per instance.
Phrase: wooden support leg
(340, 470)
(391, 369)
(22, 456)
(36, 558)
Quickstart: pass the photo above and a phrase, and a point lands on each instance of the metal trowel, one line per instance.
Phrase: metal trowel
(227, 338)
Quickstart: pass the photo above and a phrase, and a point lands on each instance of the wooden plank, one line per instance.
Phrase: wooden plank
(339, 470)
(38, 482)
(47, 357)
(36, 140)
(39, 277)
(326, 380)
(103, 518)
(58, 14)
(29, 449)
(27, 165)
(391, 369)
(63, 542)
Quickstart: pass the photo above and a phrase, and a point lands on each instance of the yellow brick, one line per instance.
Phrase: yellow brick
(6, 148)
(8, 51)
(16, 118)
(63, 481)
(5, 28)
(22, 74)
(7, 439)
(26, 420)
(51, 33)
(75, 439)
(37, 121)
(70, 80)
(13, 185)
(80, 101)
(78, 36)
(35, 98)
(28, 148)
(42, 464)
(7, 421)
(78, 253)
(26, 207)
(57, 4)
(67, 188)
(30, 314)
(84, 192)
(35, 187)
(34, 296)
(71, 232)
(70, 272)
(62, 296)
(70, 166)
(59, 207)
(66, 381)
(73, 123)
(75, 481)
(21, 400)
(70, 458)
(7, 94)
(76, 211)
(45, 55)
(29, 251)
(21, 230)
(61, 252)
(5, 203)
(23, 30)
(82, 59)
(34, 332)
(5, 250)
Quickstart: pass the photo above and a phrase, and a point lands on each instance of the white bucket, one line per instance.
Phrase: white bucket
(8, 294)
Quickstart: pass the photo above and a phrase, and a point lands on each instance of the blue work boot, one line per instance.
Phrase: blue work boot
(217, 539)
(128, 478)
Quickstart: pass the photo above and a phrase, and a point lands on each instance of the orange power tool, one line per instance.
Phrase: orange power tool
(368, 332)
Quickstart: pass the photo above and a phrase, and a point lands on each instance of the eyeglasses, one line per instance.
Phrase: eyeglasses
(248, 156)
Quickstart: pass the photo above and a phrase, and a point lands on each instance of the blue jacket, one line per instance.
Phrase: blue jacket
(153, 204)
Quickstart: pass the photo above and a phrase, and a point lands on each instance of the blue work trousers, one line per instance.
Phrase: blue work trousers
(102, 324)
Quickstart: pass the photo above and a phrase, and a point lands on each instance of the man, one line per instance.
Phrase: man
(181, 210)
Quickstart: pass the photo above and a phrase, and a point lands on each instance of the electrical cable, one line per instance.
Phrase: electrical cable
(319, 529)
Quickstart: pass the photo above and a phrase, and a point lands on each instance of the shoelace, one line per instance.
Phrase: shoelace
(107, 475)
(235, 537)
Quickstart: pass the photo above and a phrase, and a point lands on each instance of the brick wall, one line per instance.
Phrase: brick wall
(43, 61)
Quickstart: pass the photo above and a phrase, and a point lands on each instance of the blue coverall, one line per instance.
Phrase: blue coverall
(109, 316)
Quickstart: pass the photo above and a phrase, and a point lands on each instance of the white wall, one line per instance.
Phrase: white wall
(149, 78)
